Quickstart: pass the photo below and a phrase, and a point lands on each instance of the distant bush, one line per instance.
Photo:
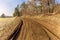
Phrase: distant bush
(3, 15)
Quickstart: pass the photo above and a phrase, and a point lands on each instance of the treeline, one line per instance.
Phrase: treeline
(35, 7)
(4, 16)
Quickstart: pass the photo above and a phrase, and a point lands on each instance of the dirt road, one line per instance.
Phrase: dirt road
(32, 30)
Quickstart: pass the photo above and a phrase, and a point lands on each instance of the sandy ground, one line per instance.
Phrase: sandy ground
(32, 30)
(38, 28)
(52, 24)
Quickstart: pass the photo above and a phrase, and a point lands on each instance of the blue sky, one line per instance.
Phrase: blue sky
(58, 1)
(7, 6)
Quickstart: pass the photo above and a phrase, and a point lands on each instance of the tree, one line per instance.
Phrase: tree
(35, 7)
(32, 7)
(24, 7)
(3, 15)
(16, 12)
(47, 5)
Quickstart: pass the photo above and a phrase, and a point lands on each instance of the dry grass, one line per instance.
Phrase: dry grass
(6, 20)
(9, 28)
(3, 23)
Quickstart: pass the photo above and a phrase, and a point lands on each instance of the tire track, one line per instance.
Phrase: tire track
(16, 32)
(45, 28)
(34, 32)
(42, 28)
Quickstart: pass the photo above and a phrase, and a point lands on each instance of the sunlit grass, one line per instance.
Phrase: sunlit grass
(6, 20)
(3, 23)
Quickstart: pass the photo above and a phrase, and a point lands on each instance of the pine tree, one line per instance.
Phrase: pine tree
(16, 12)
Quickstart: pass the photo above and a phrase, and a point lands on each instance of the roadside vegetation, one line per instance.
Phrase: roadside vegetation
(34, 9)
(37, 7)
